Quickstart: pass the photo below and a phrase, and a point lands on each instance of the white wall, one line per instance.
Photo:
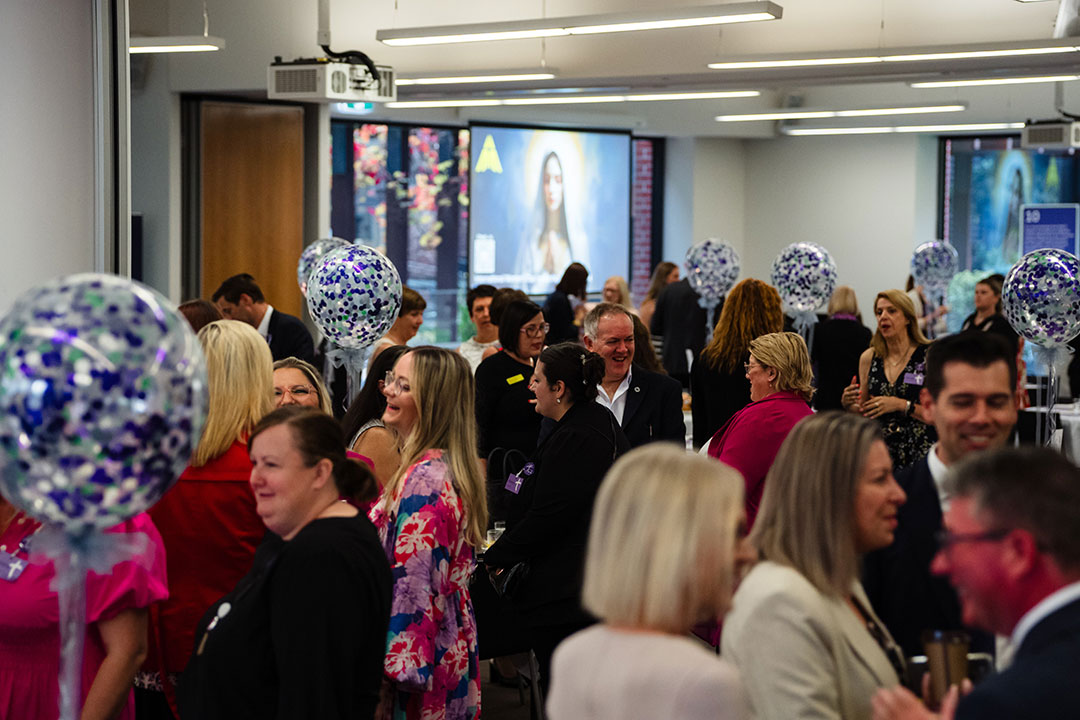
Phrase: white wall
(868, 200)
(46, 142)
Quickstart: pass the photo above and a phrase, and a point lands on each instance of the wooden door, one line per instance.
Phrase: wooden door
(252, 182)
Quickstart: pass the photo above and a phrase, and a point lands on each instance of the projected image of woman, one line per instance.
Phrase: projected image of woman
(553, 245)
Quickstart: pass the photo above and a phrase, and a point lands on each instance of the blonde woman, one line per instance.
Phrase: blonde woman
(838, 343)
(208, 519)
(780, 391)
(663, 554)
(431, 517)
(297, 382)
(891, 375)
(801, 631)
(617, 291)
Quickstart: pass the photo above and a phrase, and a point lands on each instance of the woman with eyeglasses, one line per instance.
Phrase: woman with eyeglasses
(364, 428)
(506, 418)
(431, 518)
(553, 496)
(297, 382)
(801, 631)
(780, 391)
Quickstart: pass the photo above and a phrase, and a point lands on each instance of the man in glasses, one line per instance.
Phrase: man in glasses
(1011, 547)
(969, 395)
(647, 405)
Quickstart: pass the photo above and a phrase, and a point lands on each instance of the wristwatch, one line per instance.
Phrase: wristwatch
(910, 408)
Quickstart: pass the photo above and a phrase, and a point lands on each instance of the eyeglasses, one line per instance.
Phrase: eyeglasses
(400, 385)
(946, 539)
(299, 392)
(536, 330)
(747, 366)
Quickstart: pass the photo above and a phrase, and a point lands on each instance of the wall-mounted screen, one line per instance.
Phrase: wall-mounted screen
(541, 199)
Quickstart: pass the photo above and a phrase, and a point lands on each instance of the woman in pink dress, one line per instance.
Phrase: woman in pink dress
(116, 611)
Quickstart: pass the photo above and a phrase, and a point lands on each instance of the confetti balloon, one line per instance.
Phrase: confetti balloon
(354, 296)
(804, 274)
(104, 395)
(312, 257)
(1041, 297)
(712, 267)
(933, 265)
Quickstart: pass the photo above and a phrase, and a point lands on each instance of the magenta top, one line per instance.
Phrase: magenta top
(29, 620)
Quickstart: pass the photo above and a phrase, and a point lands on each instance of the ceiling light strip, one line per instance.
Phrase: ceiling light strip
(174, 43)
(978, 82)
(584, 24)
(913, 55)
(569, 99)
(807, 114)
(966, 127)
(474, 78)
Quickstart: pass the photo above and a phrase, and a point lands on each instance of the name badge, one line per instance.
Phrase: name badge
(515, 379)
(11, 567)
(913, 378)
(513, 483)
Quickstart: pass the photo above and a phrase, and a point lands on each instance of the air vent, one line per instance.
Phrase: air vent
(299, 80)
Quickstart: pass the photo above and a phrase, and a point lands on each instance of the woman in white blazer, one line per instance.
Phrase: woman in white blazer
(801, 631)
(663, 554)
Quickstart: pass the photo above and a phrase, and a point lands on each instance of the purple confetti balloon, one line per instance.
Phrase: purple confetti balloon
(312, 257)
(1041, 297)
(712, 267)
(804, 274)
(104, 395)
(354, 296)
(933, 265)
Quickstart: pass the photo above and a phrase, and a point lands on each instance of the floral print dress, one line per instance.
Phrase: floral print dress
(432, 669)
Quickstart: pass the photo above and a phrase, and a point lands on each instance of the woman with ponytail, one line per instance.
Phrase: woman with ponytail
(553, 500)
(431, 518)
(303, 634)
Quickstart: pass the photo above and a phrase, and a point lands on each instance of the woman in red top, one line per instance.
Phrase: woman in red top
(208, 519)
(780, 391)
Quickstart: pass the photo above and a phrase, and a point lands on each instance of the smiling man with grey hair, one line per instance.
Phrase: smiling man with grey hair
(647, 405)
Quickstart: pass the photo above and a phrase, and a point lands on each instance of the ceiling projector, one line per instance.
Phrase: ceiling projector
(1050, 135)
(325, 80)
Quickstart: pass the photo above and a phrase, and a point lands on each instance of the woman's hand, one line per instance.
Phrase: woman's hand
(879, 405)
(850, 397)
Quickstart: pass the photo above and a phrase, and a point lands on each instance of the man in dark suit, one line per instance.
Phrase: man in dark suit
(680, 320)
(1011, 549)
(969, 397)
(239, 298)
(647, 405)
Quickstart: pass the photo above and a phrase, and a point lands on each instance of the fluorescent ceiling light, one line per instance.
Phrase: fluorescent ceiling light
(995, 81)
(175, 43)
(474, 78)
(571, 99)
(968, 127)
(804, 114)
(923, 54)
(584, 24)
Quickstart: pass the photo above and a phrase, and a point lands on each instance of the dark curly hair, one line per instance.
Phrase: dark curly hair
(580, 370)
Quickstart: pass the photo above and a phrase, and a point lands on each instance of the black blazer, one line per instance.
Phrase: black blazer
(289, 337)
(681, 322)
(549, 517)
(905, 594)
(717, 396)
(838, 343)
(653, 409)
(1039, 685)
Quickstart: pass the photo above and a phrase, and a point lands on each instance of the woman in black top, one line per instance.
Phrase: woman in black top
(564, 308)
(303, 635)
(987, 316)
(838, 343)
(505, 413)
(552, 504)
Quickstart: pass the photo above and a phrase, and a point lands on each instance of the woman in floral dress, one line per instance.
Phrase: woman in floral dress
(430, 517)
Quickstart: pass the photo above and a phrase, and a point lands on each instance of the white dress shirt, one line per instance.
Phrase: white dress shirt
(616, 404)
(264, 325)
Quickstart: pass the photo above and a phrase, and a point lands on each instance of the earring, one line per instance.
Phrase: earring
(558, 400)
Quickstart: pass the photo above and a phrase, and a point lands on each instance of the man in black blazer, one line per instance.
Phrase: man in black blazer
(969, 397)
(1011, 549)
(680, 321)
(239, 298)
(647, 405)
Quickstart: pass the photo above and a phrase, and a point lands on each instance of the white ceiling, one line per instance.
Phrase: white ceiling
(665, 59)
